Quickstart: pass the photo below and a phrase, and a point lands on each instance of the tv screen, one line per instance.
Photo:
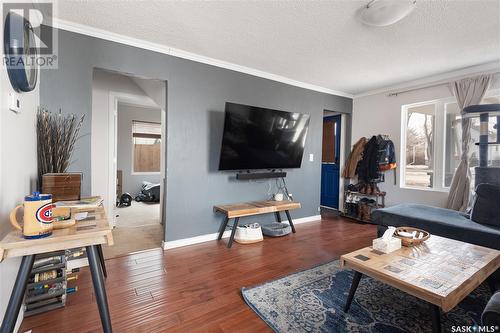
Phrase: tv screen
(260, 138)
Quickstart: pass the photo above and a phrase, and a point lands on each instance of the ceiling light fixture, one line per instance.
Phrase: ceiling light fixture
(381, 13)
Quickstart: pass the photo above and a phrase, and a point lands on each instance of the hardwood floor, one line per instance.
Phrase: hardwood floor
(197, 288)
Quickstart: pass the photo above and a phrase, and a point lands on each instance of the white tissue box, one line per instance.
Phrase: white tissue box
(387, 245)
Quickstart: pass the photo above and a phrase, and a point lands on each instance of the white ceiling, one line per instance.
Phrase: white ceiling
(316, 42)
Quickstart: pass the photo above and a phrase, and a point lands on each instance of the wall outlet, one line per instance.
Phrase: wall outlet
(311, 157)
(14, 102)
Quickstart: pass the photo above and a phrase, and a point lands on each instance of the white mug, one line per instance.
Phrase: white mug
(278, 197)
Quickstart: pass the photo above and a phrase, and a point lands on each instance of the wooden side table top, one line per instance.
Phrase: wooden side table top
(440, 271)
(83, 233)
(256, 207)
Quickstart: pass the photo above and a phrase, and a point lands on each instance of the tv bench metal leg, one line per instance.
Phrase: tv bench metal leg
(278, 216)
(235, 226)
(223, 227)
(290, 220)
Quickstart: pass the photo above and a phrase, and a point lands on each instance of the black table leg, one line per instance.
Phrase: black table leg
(436, 319)
(17, 295)
(235, 226)
(355, 282)
(100, 290)
(278, 216)
(290, 220)
(223, 227)
(101, 259)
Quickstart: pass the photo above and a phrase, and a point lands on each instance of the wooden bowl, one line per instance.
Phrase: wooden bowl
(419, 237)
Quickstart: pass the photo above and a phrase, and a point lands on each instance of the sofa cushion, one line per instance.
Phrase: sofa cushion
(439, 221)
(485, 209)
(491, 314)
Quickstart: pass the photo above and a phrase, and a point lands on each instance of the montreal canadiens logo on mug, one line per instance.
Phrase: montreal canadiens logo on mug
(44, 213)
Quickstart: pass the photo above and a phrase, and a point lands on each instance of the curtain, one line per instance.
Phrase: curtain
(468, 91)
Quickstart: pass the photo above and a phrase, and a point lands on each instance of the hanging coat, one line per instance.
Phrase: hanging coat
(354, 157)
(368, 171)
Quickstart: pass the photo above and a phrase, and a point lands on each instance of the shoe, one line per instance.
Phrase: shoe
(369, 189)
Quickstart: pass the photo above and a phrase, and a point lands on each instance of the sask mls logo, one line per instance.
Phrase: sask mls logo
(29, 39)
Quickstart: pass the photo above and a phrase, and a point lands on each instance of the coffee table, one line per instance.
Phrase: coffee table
(440, 271)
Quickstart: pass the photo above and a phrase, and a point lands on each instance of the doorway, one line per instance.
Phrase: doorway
(128, 158)
(330, 162)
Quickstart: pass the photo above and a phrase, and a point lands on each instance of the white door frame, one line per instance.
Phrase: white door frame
(343, 149)
(136, 100)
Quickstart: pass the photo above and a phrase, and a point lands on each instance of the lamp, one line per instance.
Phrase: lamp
(381, 13)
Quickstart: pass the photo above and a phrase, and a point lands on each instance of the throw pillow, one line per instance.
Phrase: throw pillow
(486, 207)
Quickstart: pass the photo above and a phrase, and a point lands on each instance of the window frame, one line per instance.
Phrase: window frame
(439, 150)
(438, 180)
(132, 168)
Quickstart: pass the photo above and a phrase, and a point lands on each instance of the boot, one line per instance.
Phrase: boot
(369, 189)
(360, 211)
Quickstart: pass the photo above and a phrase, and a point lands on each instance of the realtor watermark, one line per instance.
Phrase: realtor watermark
(29, 37)
(475, 329)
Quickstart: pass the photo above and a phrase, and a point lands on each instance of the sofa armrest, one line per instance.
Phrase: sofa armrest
(491, 314)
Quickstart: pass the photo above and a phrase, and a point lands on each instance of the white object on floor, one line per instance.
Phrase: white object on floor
(248, 235)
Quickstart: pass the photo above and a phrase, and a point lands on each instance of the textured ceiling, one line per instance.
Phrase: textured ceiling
(316, 42)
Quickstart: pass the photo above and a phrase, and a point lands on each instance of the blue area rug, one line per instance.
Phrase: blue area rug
(312, 301)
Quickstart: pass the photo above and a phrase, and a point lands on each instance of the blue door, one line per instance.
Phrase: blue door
(330, 169)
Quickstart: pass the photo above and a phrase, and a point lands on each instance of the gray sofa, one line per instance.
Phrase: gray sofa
(438, 221)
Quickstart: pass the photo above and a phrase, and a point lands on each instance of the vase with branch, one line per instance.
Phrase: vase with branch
(56, 137)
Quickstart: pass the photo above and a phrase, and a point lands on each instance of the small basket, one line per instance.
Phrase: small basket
(419, 237)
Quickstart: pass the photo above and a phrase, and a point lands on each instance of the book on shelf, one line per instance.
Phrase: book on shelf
(90, 202)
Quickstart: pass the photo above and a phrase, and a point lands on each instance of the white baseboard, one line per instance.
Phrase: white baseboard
(211, 237)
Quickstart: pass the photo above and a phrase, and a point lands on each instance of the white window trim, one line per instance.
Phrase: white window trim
(132, 169)
(439, 144)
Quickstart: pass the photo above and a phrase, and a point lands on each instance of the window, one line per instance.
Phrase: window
(146, 145)
(432, 141)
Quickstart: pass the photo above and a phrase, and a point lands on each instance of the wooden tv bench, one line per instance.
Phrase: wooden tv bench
(253, 208)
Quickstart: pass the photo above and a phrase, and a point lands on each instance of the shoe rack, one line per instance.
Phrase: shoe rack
(359, 205)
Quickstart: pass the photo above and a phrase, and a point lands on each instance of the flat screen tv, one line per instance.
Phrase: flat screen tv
(260, 138)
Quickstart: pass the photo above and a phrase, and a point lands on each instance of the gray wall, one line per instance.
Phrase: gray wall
(126, 114)
(195, 104)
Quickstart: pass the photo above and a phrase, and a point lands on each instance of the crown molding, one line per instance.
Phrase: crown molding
(442, 78)
(139, 43)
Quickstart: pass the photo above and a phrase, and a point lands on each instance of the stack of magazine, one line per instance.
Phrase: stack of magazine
(84, 203)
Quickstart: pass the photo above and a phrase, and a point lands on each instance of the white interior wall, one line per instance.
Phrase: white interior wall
(381, 114)
(18, 169)
(126, 115)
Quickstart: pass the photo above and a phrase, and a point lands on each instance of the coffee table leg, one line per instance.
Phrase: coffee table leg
(235, 226)
(436, 319)
(17, 295)
(223, 227)
(355, 282)
(290, 220)
(278, 216)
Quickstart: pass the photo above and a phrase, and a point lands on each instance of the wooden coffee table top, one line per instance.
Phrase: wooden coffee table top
(440, 271)
(256, 207)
